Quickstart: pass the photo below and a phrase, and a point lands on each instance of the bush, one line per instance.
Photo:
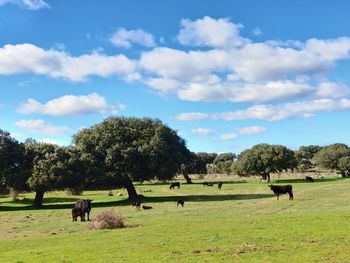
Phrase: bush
(107, 219)
(74, 191)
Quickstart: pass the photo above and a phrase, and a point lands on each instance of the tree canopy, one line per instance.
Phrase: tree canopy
(122, 150)
(334, 157)
(263, 159)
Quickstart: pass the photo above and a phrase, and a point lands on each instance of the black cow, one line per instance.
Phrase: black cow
(309, 179)
(137, 204)
(76, 212)
(282, 189)
(173, 184)
(146, 207)
(208, 184)
(85, 206)
(180, 202)
(219, 185)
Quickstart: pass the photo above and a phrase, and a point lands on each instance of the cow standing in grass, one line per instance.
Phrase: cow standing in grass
(85, 206)
(174, 184)
(309, 179)
(282, 189)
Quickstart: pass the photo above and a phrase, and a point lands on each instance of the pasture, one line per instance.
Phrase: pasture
(243, 222)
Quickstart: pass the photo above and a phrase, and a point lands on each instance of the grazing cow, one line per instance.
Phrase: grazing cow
(210, 184)
(309, 179)
(219, 185)
(205, 183)
(146, 207)
(173, 184)
(77, 211)
(180, 202)
(85, 206)
(136, 204)
(282, 189)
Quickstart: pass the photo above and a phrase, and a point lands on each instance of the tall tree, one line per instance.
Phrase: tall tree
(264, 159)
(122, 150)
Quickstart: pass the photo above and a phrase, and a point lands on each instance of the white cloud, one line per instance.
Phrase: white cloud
(202, 131)
(251, 130)
(124, 38)
(229, 136)
(70, 105)
(257, 31)
(304, 109)
(41, 127)
(50, 141)
(28, 58)
(192, 116)
(27, 4)
(210, 32)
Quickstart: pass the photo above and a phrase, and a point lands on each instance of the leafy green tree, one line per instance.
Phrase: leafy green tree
(329, 157)
(264, 159)
(222, 163)
(122, 150)
(305, 155)
(13, 172)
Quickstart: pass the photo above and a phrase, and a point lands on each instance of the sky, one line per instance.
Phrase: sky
(226, 75)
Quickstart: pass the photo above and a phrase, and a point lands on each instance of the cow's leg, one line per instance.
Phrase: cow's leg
(88, 216)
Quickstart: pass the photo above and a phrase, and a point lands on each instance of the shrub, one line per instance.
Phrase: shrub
(107, 219)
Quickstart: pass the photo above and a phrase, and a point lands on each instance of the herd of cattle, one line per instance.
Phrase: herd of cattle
(83, 207)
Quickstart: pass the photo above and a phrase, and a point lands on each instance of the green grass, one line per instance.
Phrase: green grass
(241, 223)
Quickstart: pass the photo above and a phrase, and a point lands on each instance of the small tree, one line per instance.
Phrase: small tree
(264, 159)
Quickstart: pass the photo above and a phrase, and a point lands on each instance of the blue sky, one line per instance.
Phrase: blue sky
(226, 74)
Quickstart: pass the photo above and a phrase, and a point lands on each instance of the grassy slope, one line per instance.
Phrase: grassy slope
(240, 223)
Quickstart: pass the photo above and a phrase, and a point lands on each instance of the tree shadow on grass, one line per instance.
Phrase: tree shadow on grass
(8, 206)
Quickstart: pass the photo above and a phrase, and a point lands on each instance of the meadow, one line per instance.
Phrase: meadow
(243, 222)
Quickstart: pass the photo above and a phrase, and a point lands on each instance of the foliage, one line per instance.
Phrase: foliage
(13, 170)
(334, 157)
(304, 157)
(263, 159)
(123, 149)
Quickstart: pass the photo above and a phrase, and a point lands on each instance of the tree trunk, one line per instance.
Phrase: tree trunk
(14, 194)
(39, 197)
(266, 176)
(188, 179)
(130, 188)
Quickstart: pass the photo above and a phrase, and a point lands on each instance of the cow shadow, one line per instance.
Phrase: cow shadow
(67, 203)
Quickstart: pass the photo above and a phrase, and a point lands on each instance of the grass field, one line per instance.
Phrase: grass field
(241, 223)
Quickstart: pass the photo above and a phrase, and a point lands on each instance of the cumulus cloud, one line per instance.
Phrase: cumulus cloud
(41, 127)
(70, 105)
(28, 58)
(229, 136)
(27, 4)
(304, 109)
(210, 32)
(251, 130)
(202, 131)
(125, 38)
(192, 116)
